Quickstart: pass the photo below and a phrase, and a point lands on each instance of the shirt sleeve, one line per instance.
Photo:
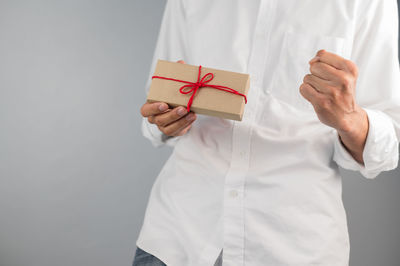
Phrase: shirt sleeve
(375, 51)
(171, 46)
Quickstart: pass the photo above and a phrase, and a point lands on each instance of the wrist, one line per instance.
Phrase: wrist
(355, 125)
(354, 134)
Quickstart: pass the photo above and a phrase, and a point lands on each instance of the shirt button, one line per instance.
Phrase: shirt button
(268, 92)
(233, 193)
(387, 150)
(242, 153)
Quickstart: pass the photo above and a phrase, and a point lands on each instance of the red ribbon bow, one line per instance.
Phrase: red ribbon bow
(199, 84)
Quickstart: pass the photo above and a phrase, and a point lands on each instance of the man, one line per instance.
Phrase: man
(267, 191)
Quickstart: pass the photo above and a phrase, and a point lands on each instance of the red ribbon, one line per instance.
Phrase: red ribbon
(199, 84)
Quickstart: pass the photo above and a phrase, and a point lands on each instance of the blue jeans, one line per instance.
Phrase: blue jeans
(142, 258)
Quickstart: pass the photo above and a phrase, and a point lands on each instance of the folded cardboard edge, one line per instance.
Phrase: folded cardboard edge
(202, 111)
(209, 68)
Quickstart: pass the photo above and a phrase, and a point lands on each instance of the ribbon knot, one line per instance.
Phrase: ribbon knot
(194, 86)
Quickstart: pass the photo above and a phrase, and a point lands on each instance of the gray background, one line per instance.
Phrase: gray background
(75, 172)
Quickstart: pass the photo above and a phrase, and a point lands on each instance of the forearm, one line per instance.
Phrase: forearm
(355, 136)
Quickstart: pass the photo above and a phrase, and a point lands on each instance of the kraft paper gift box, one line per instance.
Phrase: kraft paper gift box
(208, 99)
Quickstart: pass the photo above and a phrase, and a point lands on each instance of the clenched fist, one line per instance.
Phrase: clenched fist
(172, 122)
(330, 88)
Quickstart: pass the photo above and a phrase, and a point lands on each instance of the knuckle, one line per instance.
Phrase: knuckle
(314, 67)
(350, 65)
(305, 91)
(321, 53)
(187, 120)
(159, 121)
(176, 127)
(302, 88)
(353, 68)
(346, 83)
(142, 110)
(168, 131)
(317, 66)
(150, 119)
(175, 117)
(182, 122)
(347, 63)
(307, 78)
(336, 94)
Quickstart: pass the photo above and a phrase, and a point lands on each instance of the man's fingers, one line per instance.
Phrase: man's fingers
(169, 117)
(331, 59)
(172, 122)
(185, 130)
(324, 71)
(321, 85)
(309, 93)
(176, 127)
(151, 119)
(149, 109)
(334, 60)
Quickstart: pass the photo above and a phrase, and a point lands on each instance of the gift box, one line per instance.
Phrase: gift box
(200, 89)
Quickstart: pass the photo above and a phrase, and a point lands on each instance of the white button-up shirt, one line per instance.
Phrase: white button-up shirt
(267, 190)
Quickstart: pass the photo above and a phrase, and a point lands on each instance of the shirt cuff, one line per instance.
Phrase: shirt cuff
(381, 151)
(156, 137)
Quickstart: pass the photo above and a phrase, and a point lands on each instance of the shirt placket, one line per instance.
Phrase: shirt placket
(234, 227)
